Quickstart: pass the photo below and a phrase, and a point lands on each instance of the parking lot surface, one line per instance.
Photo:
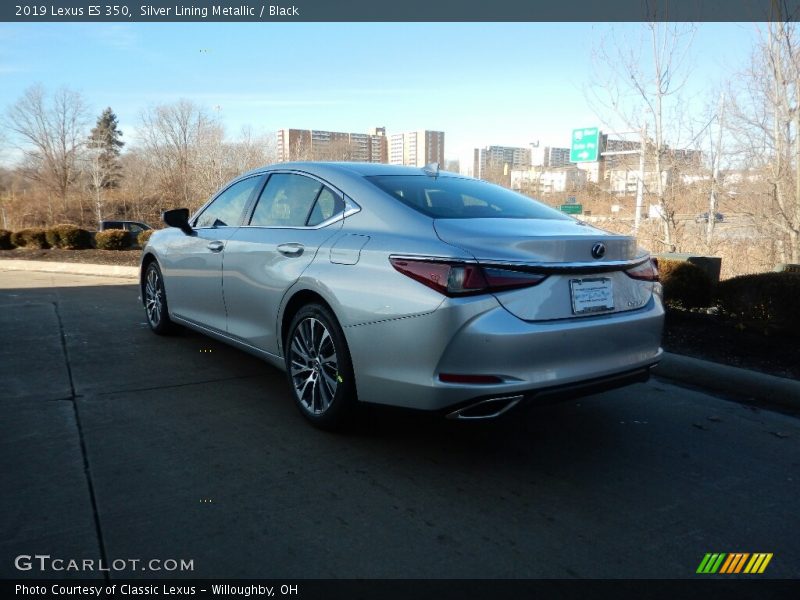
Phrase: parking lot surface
(118, 444)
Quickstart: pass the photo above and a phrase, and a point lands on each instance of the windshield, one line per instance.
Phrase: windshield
(456, 198)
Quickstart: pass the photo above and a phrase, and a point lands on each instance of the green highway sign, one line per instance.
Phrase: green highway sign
(585, 145)
(571, 209)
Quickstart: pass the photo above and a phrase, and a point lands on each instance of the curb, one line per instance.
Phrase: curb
(71, 268)
(743, 384)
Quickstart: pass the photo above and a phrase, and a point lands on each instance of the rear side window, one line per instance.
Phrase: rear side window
(291, 200)
(328, 204)
(456, 198)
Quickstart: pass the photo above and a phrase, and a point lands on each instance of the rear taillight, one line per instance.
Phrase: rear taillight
(461, 279)
(647, 271)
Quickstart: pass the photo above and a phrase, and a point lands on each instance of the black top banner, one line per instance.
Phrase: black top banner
(400, 10)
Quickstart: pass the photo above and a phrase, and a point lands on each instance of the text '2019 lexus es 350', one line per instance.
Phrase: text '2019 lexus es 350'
(406, 286)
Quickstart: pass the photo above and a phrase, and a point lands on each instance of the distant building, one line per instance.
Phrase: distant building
(416, 148)
(314, 144)
(454, 166)
(549, 157)
(625, 181)
(494, 161)
(620, 172)
(538, 181)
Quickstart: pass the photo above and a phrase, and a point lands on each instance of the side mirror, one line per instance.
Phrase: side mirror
(178, 217)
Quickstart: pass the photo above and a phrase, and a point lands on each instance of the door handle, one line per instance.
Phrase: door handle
(215, 246)
(292, 250)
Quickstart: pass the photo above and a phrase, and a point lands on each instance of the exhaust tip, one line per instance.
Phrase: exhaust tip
(485, 409)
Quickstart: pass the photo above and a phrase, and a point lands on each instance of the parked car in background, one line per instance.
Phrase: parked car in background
(134, 227)
(406, 286)
(703, 218)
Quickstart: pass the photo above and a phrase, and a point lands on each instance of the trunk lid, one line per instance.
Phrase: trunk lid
(553, 243)
(533, 240)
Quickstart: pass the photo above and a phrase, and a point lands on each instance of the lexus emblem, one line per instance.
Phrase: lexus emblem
(599, 250)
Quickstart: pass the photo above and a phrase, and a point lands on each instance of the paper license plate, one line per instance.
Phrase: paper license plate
(591, 295)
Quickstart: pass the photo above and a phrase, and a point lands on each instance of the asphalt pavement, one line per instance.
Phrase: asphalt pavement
(117, 444)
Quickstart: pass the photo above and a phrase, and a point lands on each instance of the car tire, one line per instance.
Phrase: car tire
(154, 298)
(319, 368)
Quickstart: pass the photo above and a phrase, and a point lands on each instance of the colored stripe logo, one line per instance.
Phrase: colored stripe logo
(734, 563)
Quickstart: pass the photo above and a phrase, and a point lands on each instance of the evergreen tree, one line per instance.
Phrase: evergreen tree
(105, 141)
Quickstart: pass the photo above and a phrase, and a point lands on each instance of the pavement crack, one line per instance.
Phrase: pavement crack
(174, 385)
(86, 468)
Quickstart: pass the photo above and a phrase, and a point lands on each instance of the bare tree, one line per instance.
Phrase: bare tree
(301, 149)
(640, 85)
(766, 125)
(96, 174)
(140, 192)
(173, 136)
(342, 150)
(219, 160)
(209, 160)
(249, 151)
(497, 172)
(50, 132)
(715, 182)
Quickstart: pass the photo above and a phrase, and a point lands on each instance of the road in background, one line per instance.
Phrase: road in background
(116, 443)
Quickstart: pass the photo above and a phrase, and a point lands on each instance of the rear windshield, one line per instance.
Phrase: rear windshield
(456, 198)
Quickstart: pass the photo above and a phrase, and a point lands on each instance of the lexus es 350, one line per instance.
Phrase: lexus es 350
(406, 286)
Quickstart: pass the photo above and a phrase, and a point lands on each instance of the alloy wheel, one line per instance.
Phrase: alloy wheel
(154, 297)
(313, 366)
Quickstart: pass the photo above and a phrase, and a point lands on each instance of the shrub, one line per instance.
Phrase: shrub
(70, 237)
(769, 297)
(685, 285)
(112, 239)
(5, 240)
(144, 236)
(33, 237)
(52, 236)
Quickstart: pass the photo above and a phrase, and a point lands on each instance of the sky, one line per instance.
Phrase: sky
(481, 83)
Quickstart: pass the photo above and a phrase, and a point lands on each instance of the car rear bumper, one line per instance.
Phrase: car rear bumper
(398, 362)
(494, 406)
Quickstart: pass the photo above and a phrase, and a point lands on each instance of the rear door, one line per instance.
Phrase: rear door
(295, 214)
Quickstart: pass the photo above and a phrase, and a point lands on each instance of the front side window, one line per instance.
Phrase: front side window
(456, 198)
(291, 200)
(227, 208)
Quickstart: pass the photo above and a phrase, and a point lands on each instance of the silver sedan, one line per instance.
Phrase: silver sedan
(405, 286)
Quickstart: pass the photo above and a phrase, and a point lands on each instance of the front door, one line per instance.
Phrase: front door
(193, 263)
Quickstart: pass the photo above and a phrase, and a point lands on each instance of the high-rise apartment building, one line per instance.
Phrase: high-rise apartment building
(549, 157)
(494, 160)
(308, 144)
(417, 148)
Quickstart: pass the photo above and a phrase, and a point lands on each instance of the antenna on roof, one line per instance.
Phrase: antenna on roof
(431, 169)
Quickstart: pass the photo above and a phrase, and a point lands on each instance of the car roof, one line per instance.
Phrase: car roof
(364, 169)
